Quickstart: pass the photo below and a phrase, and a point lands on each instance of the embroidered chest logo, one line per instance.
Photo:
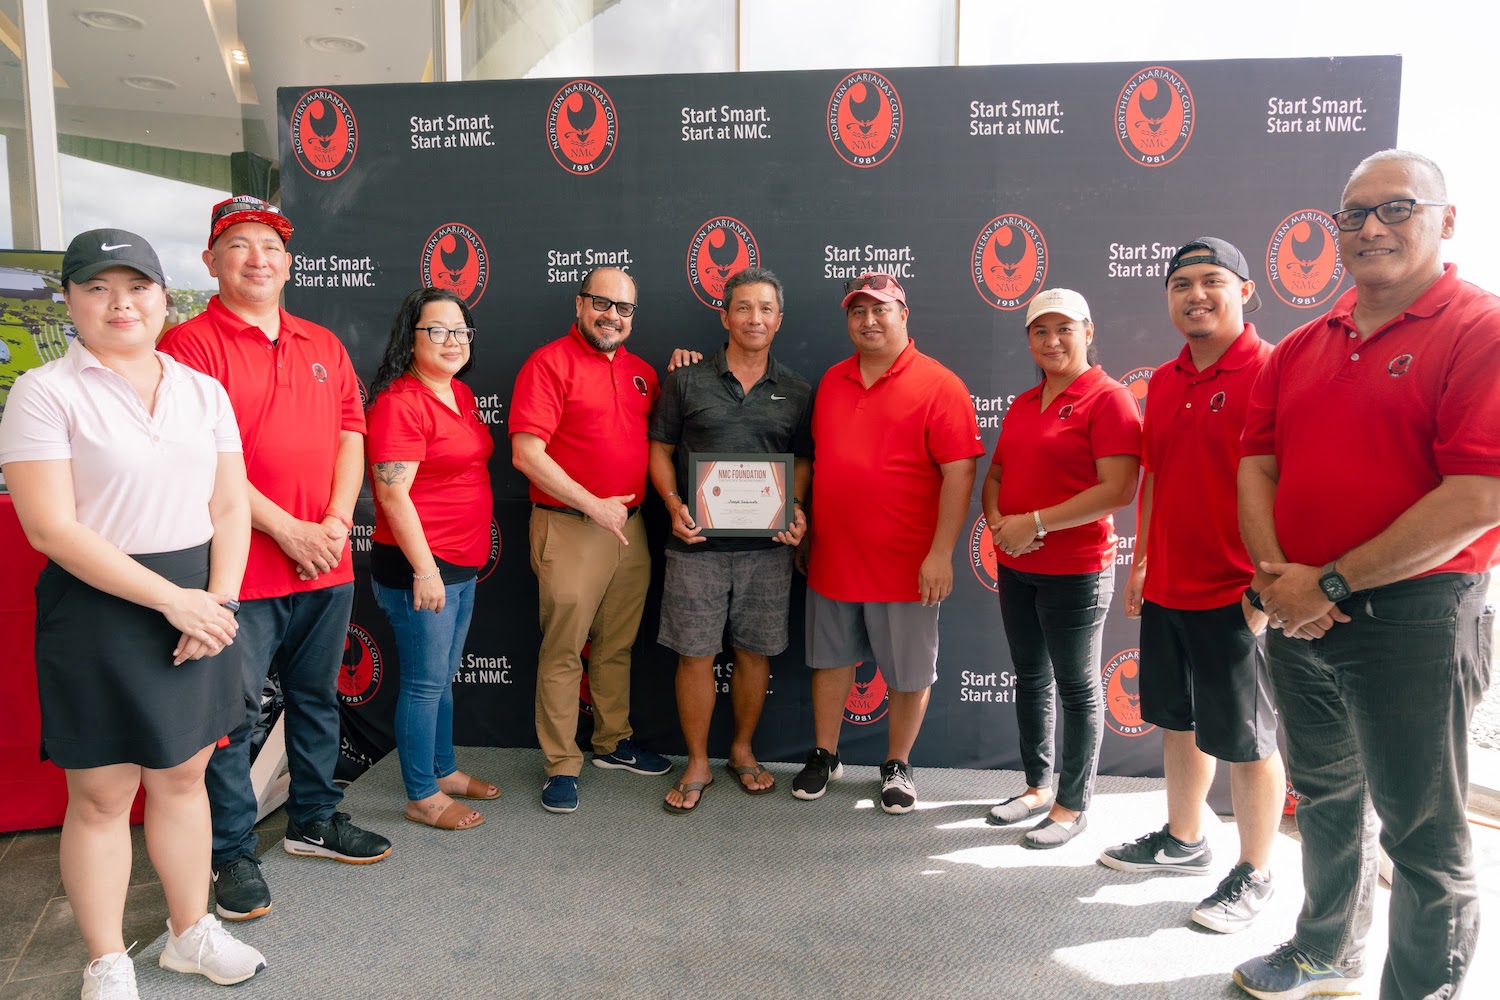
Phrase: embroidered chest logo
(640, 385)
(1400, 365)
(1065, 412)
(319, 372)
(1217, 402)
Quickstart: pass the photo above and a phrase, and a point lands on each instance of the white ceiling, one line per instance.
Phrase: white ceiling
(215, 103)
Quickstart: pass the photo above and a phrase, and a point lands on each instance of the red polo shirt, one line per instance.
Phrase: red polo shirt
(1362, 430)
(292, 398)
(451, 493)
(1195, 559)
(876, 480)
(1047, 456)
(591, 412)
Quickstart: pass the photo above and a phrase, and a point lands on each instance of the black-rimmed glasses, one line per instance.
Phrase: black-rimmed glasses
(439, 334)
(601, 304)
(1352, 220)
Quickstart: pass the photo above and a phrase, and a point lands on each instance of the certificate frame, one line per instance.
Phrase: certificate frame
(778, 468)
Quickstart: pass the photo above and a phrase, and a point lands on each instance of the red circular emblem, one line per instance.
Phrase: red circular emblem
(864, 119)
(582, 127)
(360, 671)
(1009, 262)
(324, 135)
(982, 555)
(454, 259)
(719, 248)
(1154, 116)
(869, 698)
(1302, 259)
(1121, 677)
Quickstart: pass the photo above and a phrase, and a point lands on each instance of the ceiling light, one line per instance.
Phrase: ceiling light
(339, 45)
(152, 83)
(238, 55)
(110, 20)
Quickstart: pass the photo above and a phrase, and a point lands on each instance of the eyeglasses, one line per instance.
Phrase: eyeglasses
(601, 304)
(439, 334)
(874, 280)
(1352, 220)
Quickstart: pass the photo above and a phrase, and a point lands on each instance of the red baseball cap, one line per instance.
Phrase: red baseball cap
(244, 208)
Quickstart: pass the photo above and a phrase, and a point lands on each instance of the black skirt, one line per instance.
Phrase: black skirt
(109, 692)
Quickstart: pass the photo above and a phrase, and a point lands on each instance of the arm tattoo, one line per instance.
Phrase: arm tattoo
(390, 473)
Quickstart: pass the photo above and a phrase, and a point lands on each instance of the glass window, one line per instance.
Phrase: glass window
(598, 38)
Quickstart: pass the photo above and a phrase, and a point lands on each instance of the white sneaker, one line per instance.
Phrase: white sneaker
(110, 977)
(209, 950)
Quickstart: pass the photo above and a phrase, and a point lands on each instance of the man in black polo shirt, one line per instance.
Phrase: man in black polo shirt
(740, 401)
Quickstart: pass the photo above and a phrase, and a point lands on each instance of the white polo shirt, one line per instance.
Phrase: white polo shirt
(141, 480)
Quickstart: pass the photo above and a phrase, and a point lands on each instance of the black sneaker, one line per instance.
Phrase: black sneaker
(898, 793)
(240, 891)
(1236, 902)
(1159, 851)
(812, 781)
(336, 838)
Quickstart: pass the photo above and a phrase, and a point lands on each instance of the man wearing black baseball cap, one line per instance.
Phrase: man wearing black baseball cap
(298, 405)
(1203, 678)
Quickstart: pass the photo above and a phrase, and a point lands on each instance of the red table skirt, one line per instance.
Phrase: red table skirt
(33, 793)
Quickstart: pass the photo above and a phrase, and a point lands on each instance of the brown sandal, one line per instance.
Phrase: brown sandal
(753, 771)
(477, 789)
(451, 818)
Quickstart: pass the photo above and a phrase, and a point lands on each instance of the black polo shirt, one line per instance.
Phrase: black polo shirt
(703, 407)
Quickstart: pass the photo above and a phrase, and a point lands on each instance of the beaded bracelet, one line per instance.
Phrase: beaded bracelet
(426, 576)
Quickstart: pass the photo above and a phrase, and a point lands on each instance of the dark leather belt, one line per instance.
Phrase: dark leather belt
(629, 511)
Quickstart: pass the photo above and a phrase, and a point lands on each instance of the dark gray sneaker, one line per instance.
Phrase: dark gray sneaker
(1159, 851)
(821, 768)
(336, 838)
(1236, 902)
(240, 891)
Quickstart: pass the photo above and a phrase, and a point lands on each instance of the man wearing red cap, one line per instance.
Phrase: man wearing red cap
(298, 406)
(894, 439)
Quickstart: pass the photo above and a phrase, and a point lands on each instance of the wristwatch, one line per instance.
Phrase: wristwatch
(1036, 519)
(1253, 596)
(1335, 587)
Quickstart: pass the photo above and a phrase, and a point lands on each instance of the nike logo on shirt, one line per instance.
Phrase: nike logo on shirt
(774, 396)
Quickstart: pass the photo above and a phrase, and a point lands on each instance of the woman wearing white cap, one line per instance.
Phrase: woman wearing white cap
(126, 472)
(1068, 457)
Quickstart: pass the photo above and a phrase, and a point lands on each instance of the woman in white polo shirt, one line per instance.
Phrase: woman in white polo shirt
(126, 472)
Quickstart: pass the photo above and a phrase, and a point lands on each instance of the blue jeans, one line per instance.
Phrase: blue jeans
(430, 646)
(1376, 716)
(1054, 624)
(304, 636)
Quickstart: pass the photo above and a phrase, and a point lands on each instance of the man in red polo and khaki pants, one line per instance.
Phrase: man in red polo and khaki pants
(578, 432)
(894, 444)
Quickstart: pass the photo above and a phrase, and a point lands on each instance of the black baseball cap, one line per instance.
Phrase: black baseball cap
(1212, 250)
(101, 249)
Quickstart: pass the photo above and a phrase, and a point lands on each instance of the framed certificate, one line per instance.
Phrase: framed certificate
(740, 495)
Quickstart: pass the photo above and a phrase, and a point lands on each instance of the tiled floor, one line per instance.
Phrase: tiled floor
(41, 953)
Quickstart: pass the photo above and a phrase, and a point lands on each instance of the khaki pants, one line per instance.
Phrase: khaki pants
(592, 589)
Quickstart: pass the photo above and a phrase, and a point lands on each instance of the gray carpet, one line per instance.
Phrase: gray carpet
(750, 897)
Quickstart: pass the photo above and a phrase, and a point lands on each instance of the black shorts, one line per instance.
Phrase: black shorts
(1205, 671)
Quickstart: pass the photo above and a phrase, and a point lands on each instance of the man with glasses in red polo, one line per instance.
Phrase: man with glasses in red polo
(297, 403)
(894, 443)
(578, 433)
(1369, 492)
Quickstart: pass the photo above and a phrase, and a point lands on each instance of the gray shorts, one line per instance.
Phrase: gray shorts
(749, 589)
(900, 636)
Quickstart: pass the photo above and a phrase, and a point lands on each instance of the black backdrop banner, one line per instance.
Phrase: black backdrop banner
(978, 186)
